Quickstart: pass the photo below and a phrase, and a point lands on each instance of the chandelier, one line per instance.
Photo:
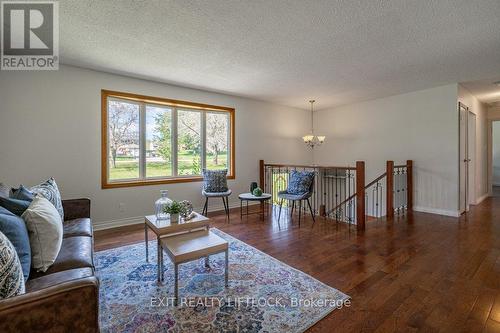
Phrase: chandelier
(312, 140)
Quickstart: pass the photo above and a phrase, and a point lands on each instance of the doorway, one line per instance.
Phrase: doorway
(467, 157)
(495, 161)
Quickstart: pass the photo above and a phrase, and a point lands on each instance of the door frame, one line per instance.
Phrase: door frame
(472, 158)
(461, 160)
(490, 154)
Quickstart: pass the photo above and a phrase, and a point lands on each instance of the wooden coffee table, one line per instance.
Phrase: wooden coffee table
(190, 246)
(164, 228)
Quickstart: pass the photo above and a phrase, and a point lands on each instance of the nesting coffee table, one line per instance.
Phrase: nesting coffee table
(250, 197)
(164, 228)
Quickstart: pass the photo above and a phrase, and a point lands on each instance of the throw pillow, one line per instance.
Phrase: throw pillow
(215, 180)
(45, 231)
(300, 182)
(21, 193)
(11, 272)
(50, 191)
(4, 190)
(14, 205)
(14, 228)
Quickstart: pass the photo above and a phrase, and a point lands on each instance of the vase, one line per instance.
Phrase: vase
(253, 186)
(174, 218)
(160, 205)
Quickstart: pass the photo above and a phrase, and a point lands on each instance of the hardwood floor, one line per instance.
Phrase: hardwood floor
(420, 272)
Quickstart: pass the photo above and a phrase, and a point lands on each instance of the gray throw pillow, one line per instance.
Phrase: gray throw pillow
(11, 272)
(215, 181)
(50, 191)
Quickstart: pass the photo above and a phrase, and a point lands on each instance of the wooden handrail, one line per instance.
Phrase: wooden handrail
(354, 195)
(376, 180)
(308, 166)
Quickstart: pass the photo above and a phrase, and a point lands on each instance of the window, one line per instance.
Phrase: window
(149, 140)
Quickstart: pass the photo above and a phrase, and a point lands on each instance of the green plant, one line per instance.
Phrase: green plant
(173, 208)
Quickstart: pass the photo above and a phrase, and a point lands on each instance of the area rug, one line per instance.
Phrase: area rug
(264, 294)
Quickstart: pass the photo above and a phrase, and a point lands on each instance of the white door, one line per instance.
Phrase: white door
(462, 158)
(471, 159)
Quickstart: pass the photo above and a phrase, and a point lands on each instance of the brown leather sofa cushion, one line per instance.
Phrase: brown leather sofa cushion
(77, 227)
(57, 278)
(76, 252)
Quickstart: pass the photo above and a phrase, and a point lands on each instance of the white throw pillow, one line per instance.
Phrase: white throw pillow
(45, 232)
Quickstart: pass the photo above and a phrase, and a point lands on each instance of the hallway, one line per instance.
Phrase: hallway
(422, 272)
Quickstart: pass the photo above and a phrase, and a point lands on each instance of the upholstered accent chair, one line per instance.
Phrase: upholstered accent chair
(300, 187)
(215, 186)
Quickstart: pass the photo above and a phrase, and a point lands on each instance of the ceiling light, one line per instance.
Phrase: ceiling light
(312, 140)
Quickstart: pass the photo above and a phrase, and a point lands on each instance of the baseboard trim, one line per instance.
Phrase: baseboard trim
(127, 221)
(437, 211)
(481, 199)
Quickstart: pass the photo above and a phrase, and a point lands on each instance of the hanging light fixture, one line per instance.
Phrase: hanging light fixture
(310, 139)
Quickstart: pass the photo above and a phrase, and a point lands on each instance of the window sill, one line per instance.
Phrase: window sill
(108, 185)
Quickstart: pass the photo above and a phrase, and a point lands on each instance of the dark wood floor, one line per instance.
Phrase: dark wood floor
(421, 272)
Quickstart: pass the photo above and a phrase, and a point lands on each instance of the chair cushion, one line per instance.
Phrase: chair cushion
(50, 280)
(77, 227)
(11, 271)
(14, 205)
(216, 194)
(14, 228)
(50, 191)
(76, 252)
(288, 196)
(45, 232)
(215, 181)
(300, 182)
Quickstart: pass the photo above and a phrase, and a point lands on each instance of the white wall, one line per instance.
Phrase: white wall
(481, 169)
(50, 126)
(421, 126)
(496, 153)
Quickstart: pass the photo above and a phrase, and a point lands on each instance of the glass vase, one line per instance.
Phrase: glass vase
(160, 205)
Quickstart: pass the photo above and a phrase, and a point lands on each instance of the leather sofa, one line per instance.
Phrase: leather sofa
(65, 298)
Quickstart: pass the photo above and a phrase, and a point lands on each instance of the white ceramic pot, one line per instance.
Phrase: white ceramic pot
(174, 218)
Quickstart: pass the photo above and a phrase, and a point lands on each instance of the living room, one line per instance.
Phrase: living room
(293, 166)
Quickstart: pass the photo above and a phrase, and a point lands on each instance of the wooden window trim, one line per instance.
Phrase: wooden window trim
(106, 184)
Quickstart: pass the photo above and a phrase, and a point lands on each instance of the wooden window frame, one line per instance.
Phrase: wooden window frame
(105, 94)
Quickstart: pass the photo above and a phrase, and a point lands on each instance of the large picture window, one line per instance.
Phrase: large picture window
(149, 140)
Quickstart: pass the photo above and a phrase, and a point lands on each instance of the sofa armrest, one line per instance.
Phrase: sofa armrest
(76, 208)
(72, 306)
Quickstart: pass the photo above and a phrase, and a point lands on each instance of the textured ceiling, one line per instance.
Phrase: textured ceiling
(288, 51)
(485, 90)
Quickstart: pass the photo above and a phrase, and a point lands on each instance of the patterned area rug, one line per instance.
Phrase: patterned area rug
(264, 294)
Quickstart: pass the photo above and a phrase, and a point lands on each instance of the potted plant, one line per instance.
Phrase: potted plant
(174, 209)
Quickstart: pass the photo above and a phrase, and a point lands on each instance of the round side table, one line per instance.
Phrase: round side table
(250, 197)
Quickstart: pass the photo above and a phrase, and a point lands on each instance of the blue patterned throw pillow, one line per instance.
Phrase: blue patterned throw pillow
(300, 182)
(215, 181)
(14, 228)
(11, 272)
(50, 191)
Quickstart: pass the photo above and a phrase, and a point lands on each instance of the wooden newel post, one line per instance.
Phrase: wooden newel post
(409, 185)
(389, 190)
(261, 175)
(360, 196)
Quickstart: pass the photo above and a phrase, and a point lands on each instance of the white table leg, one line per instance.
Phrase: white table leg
(158, 255)
(146, 239)
(226, 277)
(176, 284)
